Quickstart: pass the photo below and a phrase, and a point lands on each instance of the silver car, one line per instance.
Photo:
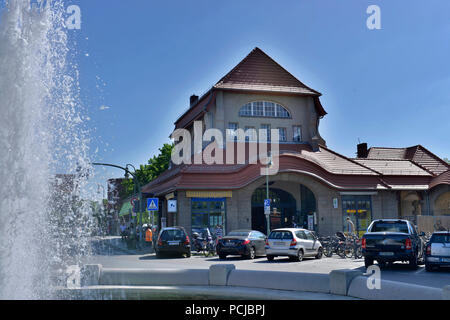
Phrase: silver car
(437, 251)
(294, 243)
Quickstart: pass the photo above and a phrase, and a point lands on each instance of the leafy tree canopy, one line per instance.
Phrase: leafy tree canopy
(147, 173)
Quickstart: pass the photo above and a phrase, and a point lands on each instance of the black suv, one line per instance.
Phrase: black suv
(390, 240)
(173, 240)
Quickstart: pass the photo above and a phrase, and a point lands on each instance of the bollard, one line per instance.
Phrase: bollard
(340, 280)
(218, 274)
(446, 293)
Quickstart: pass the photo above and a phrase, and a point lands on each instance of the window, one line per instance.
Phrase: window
(269, 108)
(282, 112)
(281, 235)
(390, 226)
(282, 133)
(208, 212)
(310, 236)
(258, 109)
(264, 109)
(231, 131)
(297, 133)
(267, 128)
(246, 110)
(301, 235)
(250, 134)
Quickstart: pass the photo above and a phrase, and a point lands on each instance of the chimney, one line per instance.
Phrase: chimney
(193, 100)
(362, 150)
(315, 143)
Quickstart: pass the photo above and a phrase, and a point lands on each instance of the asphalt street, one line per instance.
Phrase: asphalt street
(397, 272)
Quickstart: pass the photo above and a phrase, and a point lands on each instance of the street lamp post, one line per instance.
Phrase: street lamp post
(140, 200)
(267, 193)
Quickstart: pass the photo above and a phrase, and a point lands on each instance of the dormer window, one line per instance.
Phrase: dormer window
(264, 109)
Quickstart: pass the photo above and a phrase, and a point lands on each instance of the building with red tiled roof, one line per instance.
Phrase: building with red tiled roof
(314, 187)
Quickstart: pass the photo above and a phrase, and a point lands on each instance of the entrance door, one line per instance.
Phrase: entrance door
(259, 219)
(283, 209)
(359, 210)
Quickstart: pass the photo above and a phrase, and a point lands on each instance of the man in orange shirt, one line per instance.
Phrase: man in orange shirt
(149, 236)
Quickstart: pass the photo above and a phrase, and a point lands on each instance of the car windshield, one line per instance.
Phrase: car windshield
(390, 226)
(172, 235)
(238, 234)
(440, 238)
(281, 235)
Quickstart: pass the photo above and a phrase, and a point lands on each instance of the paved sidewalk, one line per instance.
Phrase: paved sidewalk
(117, 243)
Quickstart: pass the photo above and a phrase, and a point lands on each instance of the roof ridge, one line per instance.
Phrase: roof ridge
(258, 50)
(317, 92)
(340, 155)
(432, 155)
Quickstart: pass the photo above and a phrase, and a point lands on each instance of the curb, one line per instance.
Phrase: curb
(225, 282)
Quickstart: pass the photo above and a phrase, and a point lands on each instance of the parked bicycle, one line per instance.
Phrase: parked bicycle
(342, 245)
(204, 246)
(331, 245)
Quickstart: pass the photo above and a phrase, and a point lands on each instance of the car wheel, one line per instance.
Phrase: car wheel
(428, 267)
(414, 262)
(222, 256)
(158, 254)
(270, 258)
(319, 253)
(382, 264)
(298, 257)
(251, 255)
(368, 262)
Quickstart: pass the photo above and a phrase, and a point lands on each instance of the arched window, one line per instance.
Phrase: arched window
(264, 109)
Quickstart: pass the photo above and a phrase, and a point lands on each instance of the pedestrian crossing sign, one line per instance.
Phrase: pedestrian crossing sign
(152, 204)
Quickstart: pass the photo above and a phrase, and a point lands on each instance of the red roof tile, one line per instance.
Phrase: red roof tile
(427, 159)
(258, 71)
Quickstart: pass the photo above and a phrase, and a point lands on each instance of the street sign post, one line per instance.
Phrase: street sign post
(267, 213)
(152, 204)
(267, 206)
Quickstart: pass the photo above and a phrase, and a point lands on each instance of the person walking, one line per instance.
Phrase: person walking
(219, 233)
(351, 227)
(149, 236)
(155, 236)
(123, 230)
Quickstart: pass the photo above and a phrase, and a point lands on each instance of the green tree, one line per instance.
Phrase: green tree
(149, 172)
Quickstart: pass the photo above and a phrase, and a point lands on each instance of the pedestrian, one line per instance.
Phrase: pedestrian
(351, 227)
(219, 232)
(123, 230)
(155, 236)
(149, 236)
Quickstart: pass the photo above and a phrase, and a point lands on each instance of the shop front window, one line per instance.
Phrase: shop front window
(208, 212)
(359, 210)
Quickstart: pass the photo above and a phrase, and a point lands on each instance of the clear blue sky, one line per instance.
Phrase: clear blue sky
(144, 58)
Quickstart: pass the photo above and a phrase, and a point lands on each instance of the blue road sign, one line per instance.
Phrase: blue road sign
(267, 205)
(152, 204)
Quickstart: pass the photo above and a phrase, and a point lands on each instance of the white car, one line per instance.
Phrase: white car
(294, 243)
(437, 251)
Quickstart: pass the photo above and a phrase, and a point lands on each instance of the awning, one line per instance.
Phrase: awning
(126, 209)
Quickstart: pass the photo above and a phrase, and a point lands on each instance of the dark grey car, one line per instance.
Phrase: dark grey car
(246, 243)
(173, 240)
